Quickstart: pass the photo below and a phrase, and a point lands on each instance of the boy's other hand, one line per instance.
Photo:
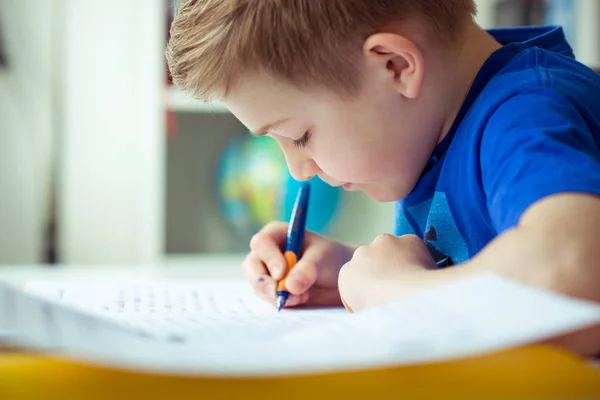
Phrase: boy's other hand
(314, 279)
(389, 268)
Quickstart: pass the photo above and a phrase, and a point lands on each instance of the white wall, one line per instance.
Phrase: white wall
(26, 126)
(111, 187)
(587, 44)
(485, 13)
(587, 48)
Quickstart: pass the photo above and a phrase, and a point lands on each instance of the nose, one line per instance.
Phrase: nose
(302, 168)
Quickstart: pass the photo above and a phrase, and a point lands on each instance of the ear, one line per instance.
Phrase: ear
(399, 59)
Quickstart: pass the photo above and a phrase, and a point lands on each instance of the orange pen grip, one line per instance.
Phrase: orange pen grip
(291, 260)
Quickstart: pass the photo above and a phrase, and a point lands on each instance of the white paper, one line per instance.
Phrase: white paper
(182, 309)
(223, 329)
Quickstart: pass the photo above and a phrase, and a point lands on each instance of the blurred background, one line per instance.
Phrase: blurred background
(102, 161)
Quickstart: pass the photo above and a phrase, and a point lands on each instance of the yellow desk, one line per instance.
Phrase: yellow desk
(532, 372)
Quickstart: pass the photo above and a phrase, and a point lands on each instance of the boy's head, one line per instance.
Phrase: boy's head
(353, 90)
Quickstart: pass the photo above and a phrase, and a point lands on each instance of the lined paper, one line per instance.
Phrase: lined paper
(221, 328)
(184, 309)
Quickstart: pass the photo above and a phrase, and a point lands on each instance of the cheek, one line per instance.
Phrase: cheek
(369, 144)
(355, 160)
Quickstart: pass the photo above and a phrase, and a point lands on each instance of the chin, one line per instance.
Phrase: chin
(385, 193)
(382, 196)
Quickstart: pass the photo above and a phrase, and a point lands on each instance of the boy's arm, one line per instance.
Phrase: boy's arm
(556, 246)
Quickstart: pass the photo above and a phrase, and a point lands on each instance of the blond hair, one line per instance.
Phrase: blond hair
(305, 42)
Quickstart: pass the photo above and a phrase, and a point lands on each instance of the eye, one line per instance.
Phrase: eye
(303, 141)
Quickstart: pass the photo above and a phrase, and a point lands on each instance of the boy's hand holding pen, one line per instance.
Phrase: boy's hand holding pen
(294, 266)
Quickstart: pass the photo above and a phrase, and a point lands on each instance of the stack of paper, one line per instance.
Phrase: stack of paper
(221, 328)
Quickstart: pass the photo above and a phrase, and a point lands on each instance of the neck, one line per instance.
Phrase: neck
(463, 65)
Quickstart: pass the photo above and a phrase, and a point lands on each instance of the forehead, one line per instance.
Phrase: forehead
(259, 100)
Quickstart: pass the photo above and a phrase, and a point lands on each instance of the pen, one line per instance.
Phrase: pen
(293, 243)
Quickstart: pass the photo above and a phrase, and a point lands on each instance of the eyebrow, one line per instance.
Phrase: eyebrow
(263, 130)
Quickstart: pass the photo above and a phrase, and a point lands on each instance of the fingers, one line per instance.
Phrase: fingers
(267, 244)
(257, 274)
(316, 296)
(265, 286)
(323, 297)
(265, 266)
(302, 277)
(297, 300)
(299, 283)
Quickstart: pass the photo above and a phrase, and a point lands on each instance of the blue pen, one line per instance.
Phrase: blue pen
(293, 244)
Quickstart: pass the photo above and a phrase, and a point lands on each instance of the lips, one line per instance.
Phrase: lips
(346, 186)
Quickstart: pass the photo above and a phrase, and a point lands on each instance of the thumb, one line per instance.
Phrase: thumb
(303, 275)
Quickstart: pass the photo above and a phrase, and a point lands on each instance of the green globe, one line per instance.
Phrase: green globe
(255, 187)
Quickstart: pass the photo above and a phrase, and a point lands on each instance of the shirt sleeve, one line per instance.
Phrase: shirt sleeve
(534, 145)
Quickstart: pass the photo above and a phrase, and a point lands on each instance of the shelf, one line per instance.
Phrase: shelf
(182, 102)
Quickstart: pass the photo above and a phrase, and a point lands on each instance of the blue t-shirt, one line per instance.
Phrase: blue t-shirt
(529, 128)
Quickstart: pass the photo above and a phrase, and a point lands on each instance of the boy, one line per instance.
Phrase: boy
(486, 141)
